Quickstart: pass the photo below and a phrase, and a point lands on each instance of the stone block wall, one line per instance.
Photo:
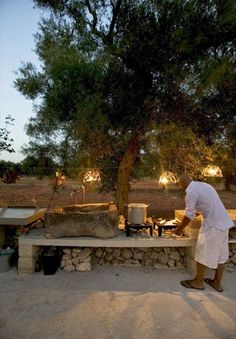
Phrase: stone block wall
(231, 263)
(83, 259)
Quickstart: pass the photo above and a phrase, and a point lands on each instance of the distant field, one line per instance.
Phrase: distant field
(161, 202)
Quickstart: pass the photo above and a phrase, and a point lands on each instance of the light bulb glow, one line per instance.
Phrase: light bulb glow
(212, 171)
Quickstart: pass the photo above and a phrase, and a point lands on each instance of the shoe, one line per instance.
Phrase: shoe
(211, 283)
(188, 284)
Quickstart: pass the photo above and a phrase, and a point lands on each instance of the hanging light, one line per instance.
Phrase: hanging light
(60, 178)
(92, 176)
(167, 177)
(212, 171)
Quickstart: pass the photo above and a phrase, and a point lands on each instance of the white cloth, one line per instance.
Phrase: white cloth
(212, 247)
(202, 197)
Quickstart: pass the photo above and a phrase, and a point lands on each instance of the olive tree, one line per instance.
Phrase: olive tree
(112, 68)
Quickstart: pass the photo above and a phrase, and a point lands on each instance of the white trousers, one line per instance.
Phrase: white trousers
(212, 247)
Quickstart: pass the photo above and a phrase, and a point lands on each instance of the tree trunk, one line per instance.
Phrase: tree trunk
(124, 170)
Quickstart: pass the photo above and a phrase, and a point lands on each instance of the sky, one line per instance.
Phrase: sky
(18, 24)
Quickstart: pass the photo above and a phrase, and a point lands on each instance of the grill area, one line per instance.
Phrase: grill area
(137, 227)
(158, 227)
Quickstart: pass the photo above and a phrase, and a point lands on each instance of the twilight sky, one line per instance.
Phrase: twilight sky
(18, 23)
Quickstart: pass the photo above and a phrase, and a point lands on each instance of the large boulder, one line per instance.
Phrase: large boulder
(96, 220)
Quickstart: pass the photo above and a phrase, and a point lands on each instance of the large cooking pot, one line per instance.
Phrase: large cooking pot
(137, 213)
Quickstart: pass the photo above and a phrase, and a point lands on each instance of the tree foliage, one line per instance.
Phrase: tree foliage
(5, 139)
(112, 68)
(179, 150)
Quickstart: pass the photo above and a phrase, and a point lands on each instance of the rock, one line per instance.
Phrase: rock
(84, 254)
(75, 252)
(84, 267)
(167, 250)
(69, 262)
(154, 255)
(147, 262)
(116, 253)
(67, 251)
(175, 256)
(163, 258)
(99, 252)
(87, 259)
(108, 257)
(96, 220)
(138, 255)
(233, 259)
(179, 265)
(171, 263)
(75, 261)
(66, 256)
(69, 268)
(182, 251)
(126, 253)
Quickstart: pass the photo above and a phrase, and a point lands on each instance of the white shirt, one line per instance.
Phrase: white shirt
(202, 197)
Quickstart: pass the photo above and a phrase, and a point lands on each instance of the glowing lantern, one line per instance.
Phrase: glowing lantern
(212, 171)
(167, 177)
(60, 178)
(92, 176)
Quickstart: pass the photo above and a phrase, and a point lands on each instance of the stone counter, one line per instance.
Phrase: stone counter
(139, 249)
(31, 244)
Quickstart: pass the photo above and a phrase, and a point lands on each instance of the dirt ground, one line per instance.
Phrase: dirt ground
(162, 203)
(114, 303)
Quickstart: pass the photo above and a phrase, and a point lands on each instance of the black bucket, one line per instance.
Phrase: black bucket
(5, 259)
(50, 261)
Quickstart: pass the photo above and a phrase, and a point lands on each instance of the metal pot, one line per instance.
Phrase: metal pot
(137, 213)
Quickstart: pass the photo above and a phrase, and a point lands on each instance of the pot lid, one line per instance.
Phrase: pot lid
(138, 205)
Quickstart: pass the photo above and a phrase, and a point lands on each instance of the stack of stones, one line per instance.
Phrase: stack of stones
(82, 259)
(231, 263)
(78, 259)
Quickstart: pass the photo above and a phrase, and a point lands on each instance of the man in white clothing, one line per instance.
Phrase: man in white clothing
(212, 244)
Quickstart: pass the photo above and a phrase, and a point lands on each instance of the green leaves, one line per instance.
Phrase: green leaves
(5, 139)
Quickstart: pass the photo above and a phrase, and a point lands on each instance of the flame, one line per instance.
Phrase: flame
(212, 171)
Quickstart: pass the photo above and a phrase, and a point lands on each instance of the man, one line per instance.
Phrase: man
(212, 244)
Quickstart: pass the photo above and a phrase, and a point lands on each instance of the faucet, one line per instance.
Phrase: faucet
(76, 189)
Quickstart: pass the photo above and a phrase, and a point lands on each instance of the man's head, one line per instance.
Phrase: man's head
(184, 181)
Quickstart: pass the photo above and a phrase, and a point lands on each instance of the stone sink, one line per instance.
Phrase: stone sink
(96, 220)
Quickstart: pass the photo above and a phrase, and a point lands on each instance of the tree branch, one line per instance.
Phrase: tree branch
(115, 12)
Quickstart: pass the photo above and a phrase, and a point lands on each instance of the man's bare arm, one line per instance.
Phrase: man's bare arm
(182, 225)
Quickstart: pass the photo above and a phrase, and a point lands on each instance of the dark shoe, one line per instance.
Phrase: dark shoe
(188, 284)
(211, 283)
